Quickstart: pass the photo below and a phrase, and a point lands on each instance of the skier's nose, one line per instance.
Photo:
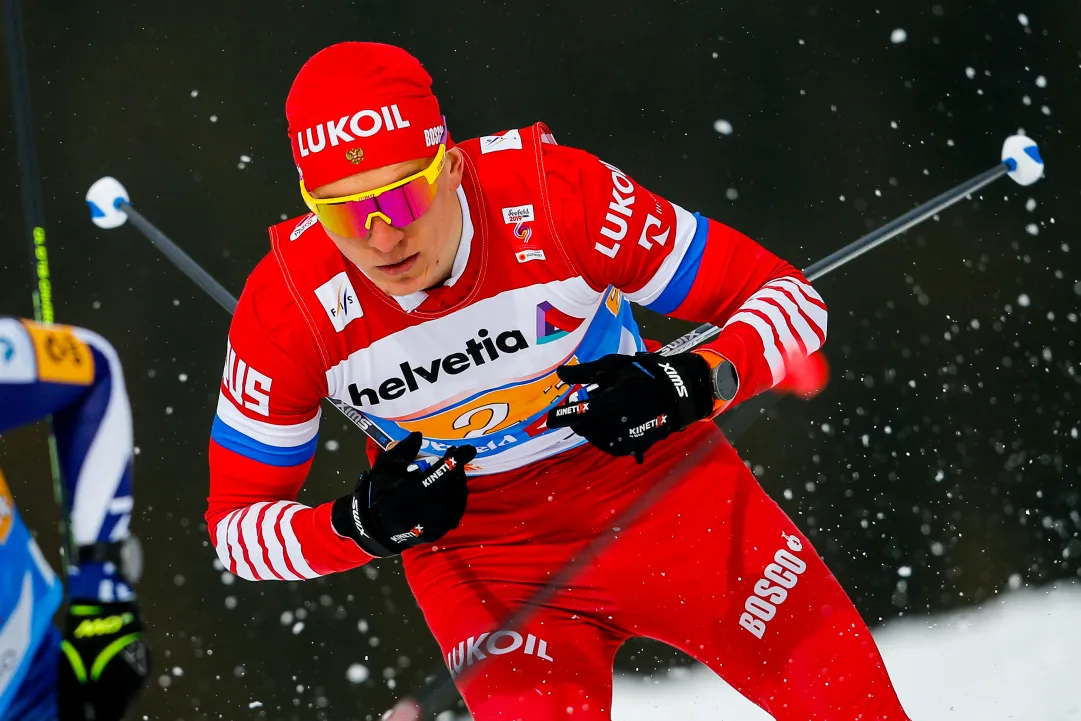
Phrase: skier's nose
(384, 237)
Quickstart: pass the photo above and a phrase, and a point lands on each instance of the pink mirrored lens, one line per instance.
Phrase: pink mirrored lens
(402, 205)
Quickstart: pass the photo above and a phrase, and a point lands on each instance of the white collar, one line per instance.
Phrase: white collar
(412, 301)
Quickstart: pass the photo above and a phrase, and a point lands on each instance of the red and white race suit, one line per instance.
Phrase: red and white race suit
(556, 245)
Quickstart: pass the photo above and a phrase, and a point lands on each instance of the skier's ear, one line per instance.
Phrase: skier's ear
(454, 168)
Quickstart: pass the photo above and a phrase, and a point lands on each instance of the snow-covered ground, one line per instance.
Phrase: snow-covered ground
(1016, 657)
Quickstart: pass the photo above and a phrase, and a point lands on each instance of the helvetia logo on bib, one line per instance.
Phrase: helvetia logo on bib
(478, 351)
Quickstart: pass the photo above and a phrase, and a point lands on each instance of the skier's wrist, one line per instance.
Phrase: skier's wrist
(98, 582)
(724, 379)
(349, 520)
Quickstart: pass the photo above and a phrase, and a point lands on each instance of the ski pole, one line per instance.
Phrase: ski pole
(1020, 160)
(34, 212)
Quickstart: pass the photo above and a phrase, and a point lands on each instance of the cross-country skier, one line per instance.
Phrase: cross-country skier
(94, 668)
(458, 295)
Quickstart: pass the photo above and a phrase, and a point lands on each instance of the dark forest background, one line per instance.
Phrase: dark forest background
(938, 469)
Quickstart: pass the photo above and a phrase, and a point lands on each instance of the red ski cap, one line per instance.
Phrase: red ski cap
(356, 106)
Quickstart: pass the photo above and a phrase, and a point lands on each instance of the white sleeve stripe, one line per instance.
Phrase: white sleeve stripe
(800, 292)
(811, 340)
(686, 226)
(110, 451)
(292, 545)
(275, 553)
(779, 321)
(236, 551)
(769, 342)
(222, 544)
(250, 540)
(280, 436)
(806, 288)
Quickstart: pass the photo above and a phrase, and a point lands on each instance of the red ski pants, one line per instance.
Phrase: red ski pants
(715, 569)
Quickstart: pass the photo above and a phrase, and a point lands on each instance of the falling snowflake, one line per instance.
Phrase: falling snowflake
(723, 127)
(357, 673)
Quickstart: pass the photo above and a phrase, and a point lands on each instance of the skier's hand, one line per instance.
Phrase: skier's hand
(405, 710)
(105, 661)
(402, 502)
(806, 378)
(639, 400)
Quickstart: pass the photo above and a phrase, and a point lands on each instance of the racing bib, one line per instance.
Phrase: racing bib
(61, 357)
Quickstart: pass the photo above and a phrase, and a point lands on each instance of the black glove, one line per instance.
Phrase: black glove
(105, 661)
(639, 400)
(395, 507)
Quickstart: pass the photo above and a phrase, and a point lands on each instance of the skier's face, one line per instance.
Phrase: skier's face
(404, 260)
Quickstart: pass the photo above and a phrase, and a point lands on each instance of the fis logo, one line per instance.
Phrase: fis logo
(412, 533)
(677, 381)
(772, 589)
(576, 410)
(339, 301)
(478, 351)
(500, 643)
(362, 124)
(510, 140)
(639, 431)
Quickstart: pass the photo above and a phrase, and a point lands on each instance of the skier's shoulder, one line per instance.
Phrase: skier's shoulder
(291, 230)
(523, 145)
(529, 155)
(568, 168)
(267, 310)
